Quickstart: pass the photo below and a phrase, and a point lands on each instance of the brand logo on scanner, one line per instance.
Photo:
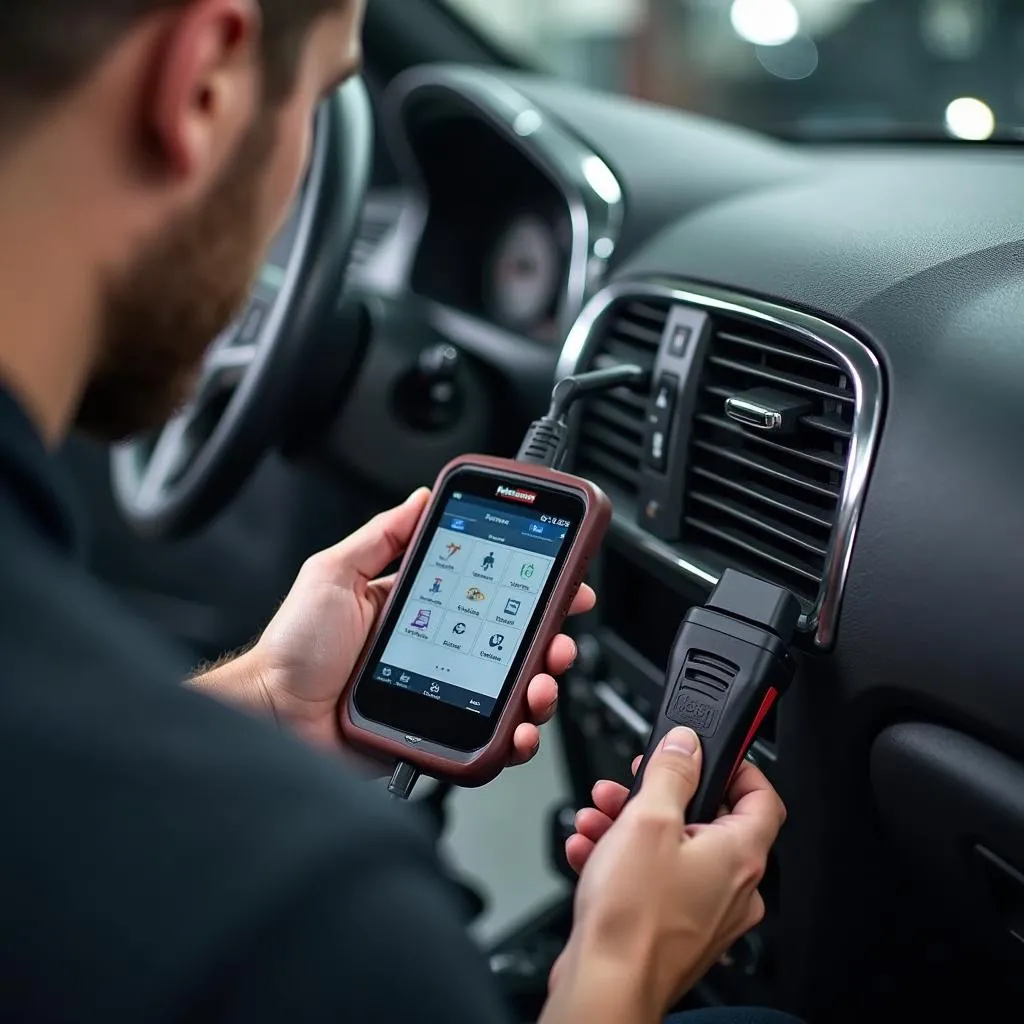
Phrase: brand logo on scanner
(516, 494)
(700, 713)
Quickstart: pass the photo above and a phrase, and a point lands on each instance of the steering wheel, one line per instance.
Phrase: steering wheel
(252, 382)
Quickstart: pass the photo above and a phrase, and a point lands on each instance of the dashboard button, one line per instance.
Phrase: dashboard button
(659, 421)
(679, 342)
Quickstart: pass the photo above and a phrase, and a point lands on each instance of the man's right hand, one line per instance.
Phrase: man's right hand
(660, 901)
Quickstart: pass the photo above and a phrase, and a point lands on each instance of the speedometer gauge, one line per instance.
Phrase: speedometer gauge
(525, 273)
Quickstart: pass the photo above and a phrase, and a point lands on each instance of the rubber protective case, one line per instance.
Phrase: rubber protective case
(478, 767)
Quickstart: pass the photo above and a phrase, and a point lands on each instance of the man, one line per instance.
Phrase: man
(168, 856)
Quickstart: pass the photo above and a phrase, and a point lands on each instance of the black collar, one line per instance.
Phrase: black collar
(31, 483)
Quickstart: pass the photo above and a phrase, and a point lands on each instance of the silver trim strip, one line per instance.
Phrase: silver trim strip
(593, 194)
(636, 723)
(848, 351)
(481, 338)
(629, 717)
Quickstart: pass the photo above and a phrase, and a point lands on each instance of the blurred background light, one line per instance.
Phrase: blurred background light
(954, 30)
(602, 180)
(970, 118)
(791, 61)
(765, 22)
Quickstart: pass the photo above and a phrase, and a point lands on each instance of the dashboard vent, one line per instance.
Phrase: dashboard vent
(611, 437)
(762, 502)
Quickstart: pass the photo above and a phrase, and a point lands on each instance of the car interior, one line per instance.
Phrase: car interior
(473, 227)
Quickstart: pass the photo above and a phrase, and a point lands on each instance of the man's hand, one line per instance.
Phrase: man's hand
(299, 667)
(659, 901)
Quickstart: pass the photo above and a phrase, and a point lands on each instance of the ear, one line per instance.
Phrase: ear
(206, 84)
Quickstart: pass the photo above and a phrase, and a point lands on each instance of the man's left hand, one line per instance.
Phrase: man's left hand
(302, 663)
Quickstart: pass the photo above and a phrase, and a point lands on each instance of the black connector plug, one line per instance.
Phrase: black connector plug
(544, 444)
(403, 781)
(729, 664)
(761, 604)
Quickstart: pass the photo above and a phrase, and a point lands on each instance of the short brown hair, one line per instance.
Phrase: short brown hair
(47, 47)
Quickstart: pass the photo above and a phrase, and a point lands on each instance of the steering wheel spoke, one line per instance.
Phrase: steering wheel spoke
(223, 370)
(170, 455)
(226, 365)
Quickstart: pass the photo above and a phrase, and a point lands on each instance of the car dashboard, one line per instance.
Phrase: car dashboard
(834, 340)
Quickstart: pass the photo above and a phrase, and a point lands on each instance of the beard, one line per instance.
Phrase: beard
(161, 315)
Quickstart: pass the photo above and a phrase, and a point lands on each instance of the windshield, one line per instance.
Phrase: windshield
(809, 68)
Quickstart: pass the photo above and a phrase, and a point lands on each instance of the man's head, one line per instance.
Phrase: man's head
(191, 122)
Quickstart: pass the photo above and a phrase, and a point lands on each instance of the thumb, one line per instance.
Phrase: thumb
(371, 549)
(673, 772)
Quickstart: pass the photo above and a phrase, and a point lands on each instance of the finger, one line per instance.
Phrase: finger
(556, 972)
(525, 743)
(542, 699)
(673, 772)
(577, 851)
(748, 779)
(592, 824)
(379, 591)
(755, 912)
(757, 809)
(610, 798)
(584, 601)
(746, 915)
(696, 829)
(637, 761)
(561, 655)
(371, 549)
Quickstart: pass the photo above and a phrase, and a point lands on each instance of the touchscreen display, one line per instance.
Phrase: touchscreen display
(469, 610)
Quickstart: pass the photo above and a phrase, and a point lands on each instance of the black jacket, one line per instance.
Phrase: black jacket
(163, 858)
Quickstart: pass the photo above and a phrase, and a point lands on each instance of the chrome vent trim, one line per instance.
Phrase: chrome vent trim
(849, 352)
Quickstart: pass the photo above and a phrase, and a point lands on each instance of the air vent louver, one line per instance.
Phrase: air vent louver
(612, 426)
(760, 501)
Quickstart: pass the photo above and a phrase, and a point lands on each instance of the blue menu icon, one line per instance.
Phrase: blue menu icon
(458, 524)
